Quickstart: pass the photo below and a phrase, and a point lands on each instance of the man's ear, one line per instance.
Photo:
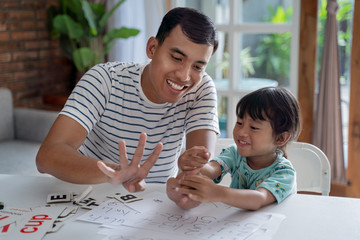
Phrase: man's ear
(282, 139)
(151, 46)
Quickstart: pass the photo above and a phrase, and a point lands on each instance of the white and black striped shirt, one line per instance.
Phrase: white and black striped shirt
(109, 103)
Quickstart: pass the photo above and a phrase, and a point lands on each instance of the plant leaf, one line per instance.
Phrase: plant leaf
(98, 9)
(90, 17)
(74, 6)
(67, 26)
(107, 15)
(83, 58)
(123, 32)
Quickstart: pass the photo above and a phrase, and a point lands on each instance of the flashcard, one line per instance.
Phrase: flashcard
(83, 195)
(67, 213)
(70, 210)
(59, 197)
(124, 198)
(127, 198)
(35, 224)
(88, 203)
(63, 219)
(114, 195)
(56, 226)
(10, 215)
(5, 219)
(6, 229)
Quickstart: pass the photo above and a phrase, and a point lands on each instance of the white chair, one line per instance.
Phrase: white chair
(311, 165)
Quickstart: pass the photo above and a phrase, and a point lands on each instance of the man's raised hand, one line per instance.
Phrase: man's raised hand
(131, 174)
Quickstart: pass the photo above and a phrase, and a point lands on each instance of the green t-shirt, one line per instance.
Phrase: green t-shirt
(279, 178)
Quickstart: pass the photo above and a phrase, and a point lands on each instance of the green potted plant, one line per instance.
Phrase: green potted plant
(273, 49)
(81, 27)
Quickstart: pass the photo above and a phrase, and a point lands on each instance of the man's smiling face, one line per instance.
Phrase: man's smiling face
(177, 65)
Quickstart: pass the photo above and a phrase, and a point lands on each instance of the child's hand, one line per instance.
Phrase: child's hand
(182, 200)
(199, 188)
(195, 157)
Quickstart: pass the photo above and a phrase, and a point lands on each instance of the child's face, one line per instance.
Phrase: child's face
(254, 139)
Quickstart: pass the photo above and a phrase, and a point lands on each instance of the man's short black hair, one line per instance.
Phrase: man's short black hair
(195, 25)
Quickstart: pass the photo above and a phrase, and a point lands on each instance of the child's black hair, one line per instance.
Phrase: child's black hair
(275, 104)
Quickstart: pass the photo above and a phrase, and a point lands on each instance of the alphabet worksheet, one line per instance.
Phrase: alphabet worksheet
(157, 217)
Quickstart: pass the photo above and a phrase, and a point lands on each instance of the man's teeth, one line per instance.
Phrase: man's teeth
(175, 86)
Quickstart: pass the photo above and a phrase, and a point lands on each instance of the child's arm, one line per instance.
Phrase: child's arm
(202, 188)
(211, 169)
(249, 199)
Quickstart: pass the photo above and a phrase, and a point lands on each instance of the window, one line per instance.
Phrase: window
(258, 47)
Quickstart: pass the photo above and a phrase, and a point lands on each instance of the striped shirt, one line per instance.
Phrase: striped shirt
(110, 104)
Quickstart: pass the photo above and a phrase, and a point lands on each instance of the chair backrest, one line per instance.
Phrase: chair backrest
(311, 165)
(223, 143)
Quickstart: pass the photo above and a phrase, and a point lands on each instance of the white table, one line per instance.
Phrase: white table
(307, 216)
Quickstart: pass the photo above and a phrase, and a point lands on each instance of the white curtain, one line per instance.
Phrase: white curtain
(328, 124)
(144, 15)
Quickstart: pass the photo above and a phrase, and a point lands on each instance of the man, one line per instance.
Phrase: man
(126, 122)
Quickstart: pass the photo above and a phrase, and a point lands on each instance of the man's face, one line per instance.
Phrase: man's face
(176, 67)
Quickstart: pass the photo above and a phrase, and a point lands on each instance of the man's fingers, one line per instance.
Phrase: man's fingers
(139, 151)
(135, 186)
(149, 163)
(132, 174)
(123, 159)
(108, 171)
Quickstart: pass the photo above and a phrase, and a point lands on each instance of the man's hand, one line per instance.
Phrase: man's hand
(182, 200)
(132, 174)
(193, 158)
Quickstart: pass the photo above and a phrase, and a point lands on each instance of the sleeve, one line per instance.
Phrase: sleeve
(87, 102)
(203, 112)
(227, 160)
(281, 182)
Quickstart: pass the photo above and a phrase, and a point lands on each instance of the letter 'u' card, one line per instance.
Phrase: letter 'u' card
(35, 224)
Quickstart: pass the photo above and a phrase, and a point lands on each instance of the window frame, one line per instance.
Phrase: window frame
(234, 29)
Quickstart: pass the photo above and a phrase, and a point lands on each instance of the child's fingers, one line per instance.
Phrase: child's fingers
(192, 161)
